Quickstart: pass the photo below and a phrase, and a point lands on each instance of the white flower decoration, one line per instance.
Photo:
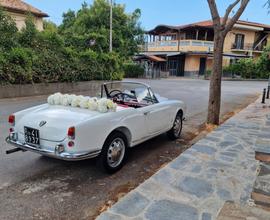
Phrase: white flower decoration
(111, 105)
(64, 100)
(76, 101)
(84, 102)
(93, 104)
(50, 100)
(102, 105)
(57, 98)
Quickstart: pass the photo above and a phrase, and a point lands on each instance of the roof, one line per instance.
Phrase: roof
(19, 6)
(202, 24)
(151, 57)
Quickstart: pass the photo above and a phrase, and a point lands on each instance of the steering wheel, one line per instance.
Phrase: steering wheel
(120, 96)
(115, 90)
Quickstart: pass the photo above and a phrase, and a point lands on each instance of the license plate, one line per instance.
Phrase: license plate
(31, 135)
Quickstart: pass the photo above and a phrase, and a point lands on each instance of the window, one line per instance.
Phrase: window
(239, 41)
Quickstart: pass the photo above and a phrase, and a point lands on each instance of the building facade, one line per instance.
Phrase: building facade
(187, 50)
(19, 10)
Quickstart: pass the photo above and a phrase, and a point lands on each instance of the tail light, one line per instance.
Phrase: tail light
(11, 120)
(71, 133)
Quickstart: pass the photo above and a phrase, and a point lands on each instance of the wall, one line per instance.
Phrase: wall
(11, 91)
(230, 38)
(20, 20)
(192, 65)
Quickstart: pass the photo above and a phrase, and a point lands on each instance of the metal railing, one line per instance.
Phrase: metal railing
(209, 45)
(247, 46)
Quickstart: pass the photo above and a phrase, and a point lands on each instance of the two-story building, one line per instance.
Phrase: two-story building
(187, 50)
(19, 10)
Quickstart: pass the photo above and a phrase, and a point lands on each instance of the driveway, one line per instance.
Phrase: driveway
(33, 187)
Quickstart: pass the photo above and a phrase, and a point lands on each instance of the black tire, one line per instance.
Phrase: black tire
(107, 164)
(174, 134)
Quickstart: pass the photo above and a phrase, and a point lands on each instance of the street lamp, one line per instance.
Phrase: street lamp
(111, 25)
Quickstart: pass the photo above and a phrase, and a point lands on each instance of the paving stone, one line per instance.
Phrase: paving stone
(229, 137)
(264, 135)
(131, 205)
(204, 149)
(219, 164)
(179, 162)
(196, 169)
(206, 216)
(224, 194)
(212, 138)
(218, 168)
(164, 176)
(195, 186)
(168, 210)
(109, 216)
(263, 149)
(238, 147)
(228, 159)
(225, 144)
(230, 154)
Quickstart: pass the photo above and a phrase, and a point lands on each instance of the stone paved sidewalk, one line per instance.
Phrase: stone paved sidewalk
(195, 186)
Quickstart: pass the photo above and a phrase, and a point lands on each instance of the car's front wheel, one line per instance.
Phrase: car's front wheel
(176, 130)
(113, 153)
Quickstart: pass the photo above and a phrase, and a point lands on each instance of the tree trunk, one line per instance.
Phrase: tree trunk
(215, 82)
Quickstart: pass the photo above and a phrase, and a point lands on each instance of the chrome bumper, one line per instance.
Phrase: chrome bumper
(54, 154)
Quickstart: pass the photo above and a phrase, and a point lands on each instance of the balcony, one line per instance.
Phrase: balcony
(182, 46)
(247, 47)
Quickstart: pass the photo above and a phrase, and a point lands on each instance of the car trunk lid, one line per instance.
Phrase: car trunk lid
(53, 121)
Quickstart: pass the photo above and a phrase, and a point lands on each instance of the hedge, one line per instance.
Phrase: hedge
(30, 56)
(132, 70)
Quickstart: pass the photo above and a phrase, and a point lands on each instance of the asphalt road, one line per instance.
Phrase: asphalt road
(35, 187)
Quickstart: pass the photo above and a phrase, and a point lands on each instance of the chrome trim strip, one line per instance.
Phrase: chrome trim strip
(62, 156)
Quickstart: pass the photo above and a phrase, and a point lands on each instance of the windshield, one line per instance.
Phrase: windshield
(132, 92)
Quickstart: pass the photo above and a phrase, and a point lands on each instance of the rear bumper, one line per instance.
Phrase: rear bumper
(54, 154)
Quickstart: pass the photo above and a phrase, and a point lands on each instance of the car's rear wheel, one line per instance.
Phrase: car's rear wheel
(176, 130)
(113, 153)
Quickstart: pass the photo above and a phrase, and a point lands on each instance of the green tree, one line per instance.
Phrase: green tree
(8, 32)
(91, 24)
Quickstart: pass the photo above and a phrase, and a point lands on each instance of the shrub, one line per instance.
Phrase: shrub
(62, 54)
(133, 70)
(18, 65)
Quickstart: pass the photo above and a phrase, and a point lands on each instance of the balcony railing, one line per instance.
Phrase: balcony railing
(247, 47)
(182, 45)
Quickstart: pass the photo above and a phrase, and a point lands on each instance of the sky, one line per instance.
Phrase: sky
(155, 12)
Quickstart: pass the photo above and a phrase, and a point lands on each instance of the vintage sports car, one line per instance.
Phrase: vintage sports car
(72, 128)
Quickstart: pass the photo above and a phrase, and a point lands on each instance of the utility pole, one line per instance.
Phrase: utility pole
(111, 24)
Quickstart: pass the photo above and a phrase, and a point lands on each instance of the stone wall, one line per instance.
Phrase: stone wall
(11, 91)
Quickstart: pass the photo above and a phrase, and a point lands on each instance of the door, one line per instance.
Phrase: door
(202, 66)
(157, 118)
(181, 65)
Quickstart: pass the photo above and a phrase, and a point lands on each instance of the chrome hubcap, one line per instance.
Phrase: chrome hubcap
(177, 126)
(116, 152)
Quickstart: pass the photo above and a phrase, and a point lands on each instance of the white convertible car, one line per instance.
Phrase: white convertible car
(68, 131)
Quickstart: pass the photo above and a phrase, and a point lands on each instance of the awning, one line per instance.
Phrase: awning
(150, 57)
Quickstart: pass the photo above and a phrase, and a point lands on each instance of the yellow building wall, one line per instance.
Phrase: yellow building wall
(192, 63)
(230, 38)
(20, 21)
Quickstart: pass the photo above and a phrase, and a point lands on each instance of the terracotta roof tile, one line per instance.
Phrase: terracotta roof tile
(209, 23)
(20, 6)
